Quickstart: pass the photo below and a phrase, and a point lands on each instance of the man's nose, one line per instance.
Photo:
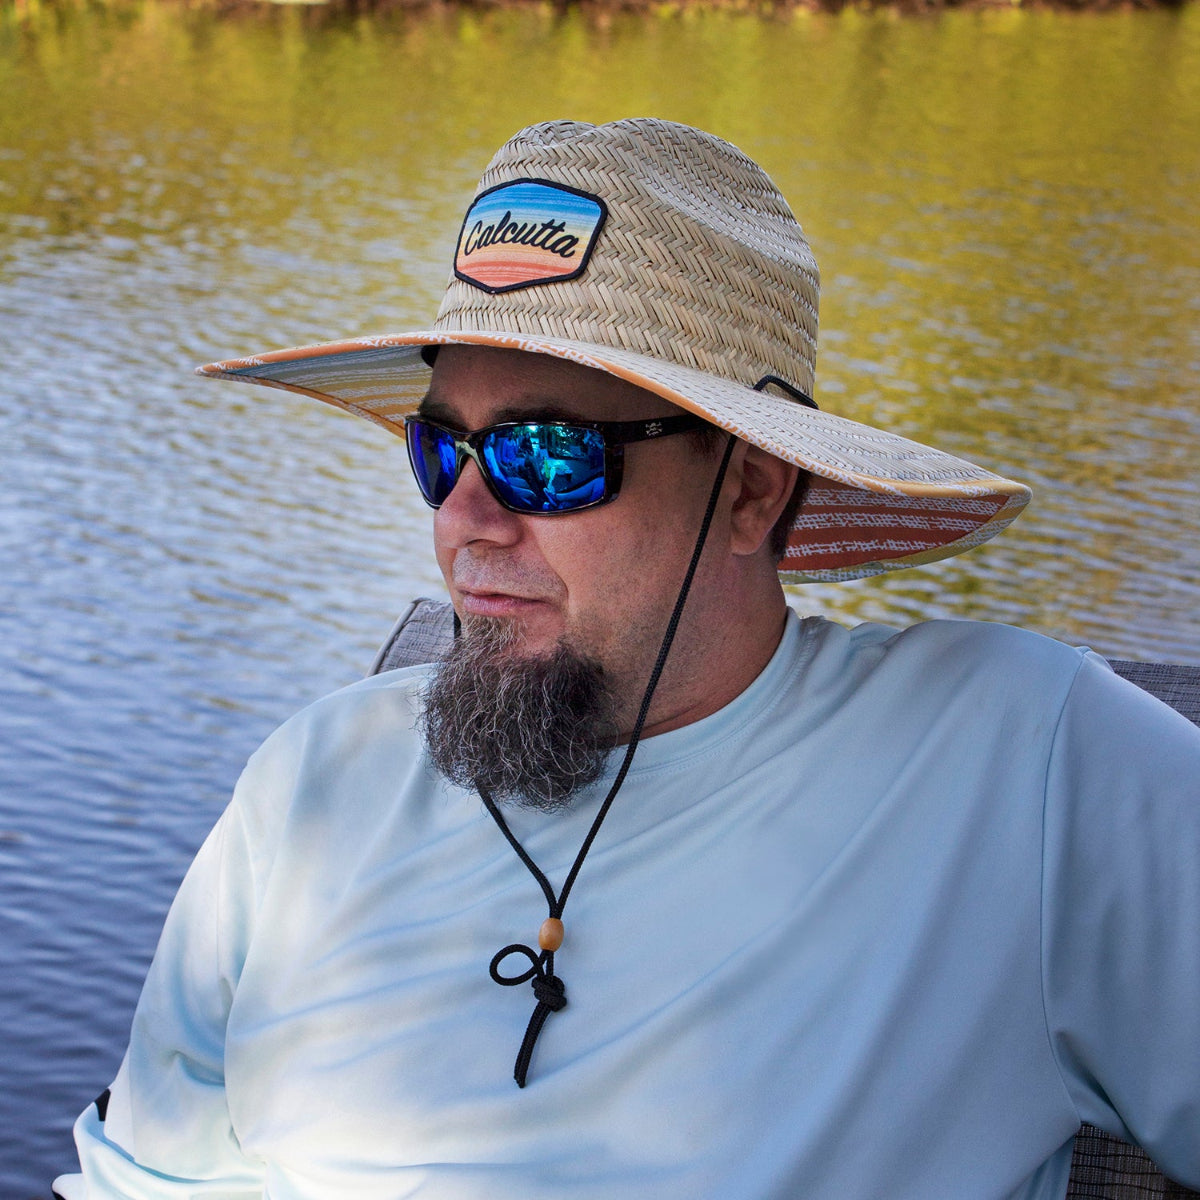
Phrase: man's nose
(470, 513)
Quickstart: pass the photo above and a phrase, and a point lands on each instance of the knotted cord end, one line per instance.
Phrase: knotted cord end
(550, 991)
(551, 997)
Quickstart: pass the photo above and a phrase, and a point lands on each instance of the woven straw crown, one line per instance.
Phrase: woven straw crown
(700, 262)
(684, 272)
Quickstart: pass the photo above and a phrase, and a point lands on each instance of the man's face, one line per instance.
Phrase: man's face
(604, 579)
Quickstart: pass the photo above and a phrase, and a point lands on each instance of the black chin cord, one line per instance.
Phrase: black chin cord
(548, 988)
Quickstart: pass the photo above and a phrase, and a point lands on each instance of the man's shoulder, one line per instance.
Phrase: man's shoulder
(388, 687)
(381, 708)
(340, 759)
(980, 637)
(996, 668)
(961, 650)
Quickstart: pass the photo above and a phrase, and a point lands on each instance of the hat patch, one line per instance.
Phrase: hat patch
(527, 232)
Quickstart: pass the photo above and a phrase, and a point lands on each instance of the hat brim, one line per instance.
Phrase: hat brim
(878, 502)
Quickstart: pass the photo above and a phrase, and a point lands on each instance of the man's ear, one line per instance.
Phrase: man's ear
(766, 484)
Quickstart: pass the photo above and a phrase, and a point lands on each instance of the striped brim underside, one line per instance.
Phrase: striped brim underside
(877, 501)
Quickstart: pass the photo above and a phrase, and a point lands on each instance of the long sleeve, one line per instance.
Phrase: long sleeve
(167, 1130)
(1122, 916)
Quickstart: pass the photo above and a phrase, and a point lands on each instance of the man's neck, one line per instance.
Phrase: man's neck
(710, 672)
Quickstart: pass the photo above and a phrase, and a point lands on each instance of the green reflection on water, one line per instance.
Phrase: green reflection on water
(1004, 205)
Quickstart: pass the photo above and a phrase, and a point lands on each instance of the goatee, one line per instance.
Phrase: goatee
(531, 730)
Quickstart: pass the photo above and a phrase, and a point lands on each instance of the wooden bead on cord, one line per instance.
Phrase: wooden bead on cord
(550, 936)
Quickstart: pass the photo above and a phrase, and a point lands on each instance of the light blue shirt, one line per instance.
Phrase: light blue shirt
(890, 924)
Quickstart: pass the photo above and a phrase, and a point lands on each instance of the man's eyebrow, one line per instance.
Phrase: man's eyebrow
(539, 410)
(433, 408)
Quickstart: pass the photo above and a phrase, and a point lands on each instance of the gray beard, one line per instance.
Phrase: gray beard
(532, 731)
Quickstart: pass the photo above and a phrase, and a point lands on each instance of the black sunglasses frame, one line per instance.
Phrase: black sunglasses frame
(616, 434)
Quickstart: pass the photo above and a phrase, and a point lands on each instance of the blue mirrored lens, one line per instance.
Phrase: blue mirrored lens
(542, 468)
(434, 461)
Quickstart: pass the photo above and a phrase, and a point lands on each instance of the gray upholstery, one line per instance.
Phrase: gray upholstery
(1103, 1167)
(422, 634)
(1172, 683)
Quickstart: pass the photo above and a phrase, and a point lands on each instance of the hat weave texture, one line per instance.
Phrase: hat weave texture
(698, 286)
(699, 263)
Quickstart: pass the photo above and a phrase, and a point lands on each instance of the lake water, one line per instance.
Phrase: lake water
(1006, 208)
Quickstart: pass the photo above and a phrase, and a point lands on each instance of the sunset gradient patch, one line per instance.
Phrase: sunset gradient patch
(527, 232)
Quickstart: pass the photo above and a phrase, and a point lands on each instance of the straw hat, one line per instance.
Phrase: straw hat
(665, 256)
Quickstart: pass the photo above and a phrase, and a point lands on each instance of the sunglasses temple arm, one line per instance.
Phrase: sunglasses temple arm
(624, 432)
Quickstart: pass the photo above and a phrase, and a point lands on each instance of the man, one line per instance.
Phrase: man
(805, 912)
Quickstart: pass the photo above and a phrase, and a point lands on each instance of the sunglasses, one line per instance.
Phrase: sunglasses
(542, 467)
